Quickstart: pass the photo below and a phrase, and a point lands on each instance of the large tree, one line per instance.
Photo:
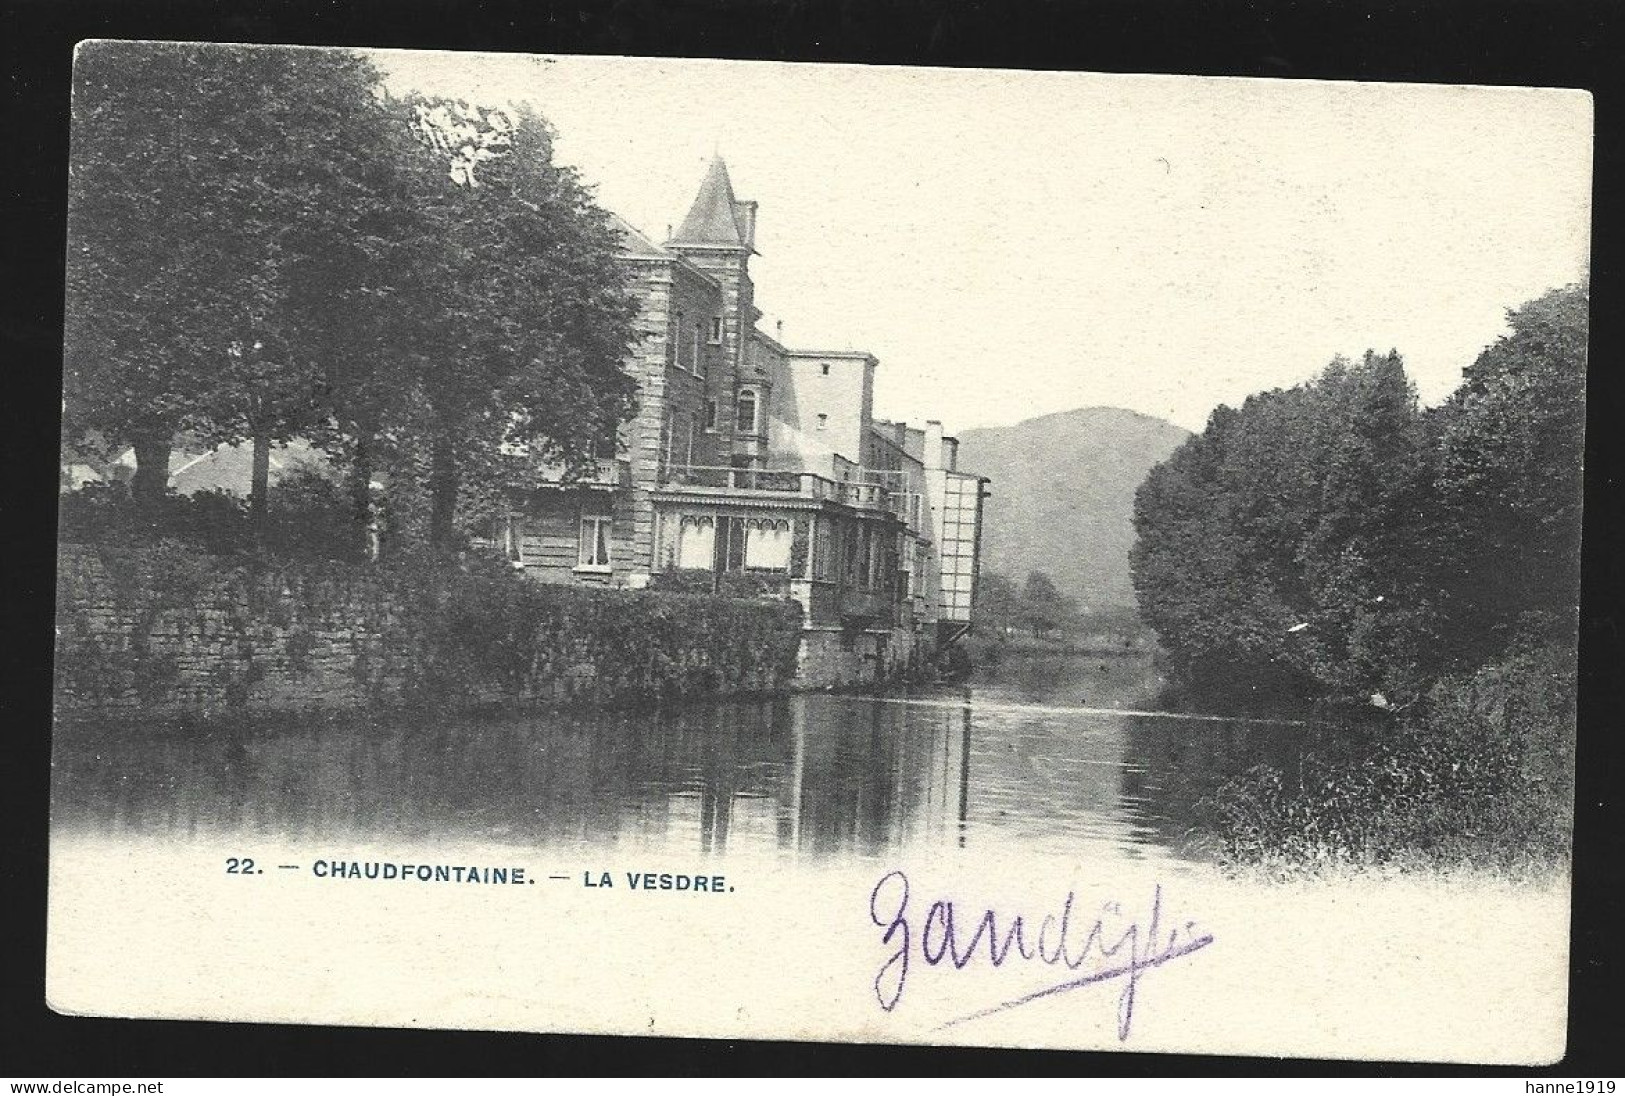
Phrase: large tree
(265, 244)
(1369, 528)
(1510, 447)
(1219, 526)
(998, 604)
(1270, 547)
(199, 173)
(1043, 607)
(1334, 540)
(530, 319)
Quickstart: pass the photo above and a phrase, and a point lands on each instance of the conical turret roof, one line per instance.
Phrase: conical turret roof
(712, 220)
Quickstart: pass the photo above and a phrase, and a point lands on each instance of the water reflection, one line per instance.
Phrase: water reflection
(1009, 758)
(1170, 768)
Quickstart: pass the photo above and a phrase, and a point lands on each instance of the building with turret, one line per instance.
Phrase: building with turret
(752, 467)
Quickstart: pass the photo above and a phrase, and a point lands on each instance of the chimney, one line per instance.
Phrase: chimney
(933, 445)
(745, 216)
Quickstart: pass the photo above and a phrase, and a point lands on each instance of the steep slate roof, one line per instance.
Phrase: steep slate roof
(711, 220)
(635, 244)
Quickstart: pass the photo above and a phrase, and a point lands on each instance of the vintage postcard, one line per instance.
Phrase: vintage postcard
(747, 550)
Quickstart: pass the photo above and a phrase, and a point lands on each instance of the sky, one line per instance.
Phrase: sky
(1012, 244)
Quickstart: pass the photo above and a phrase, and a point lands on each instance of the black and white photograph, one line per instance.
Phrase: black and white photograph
(764, 550)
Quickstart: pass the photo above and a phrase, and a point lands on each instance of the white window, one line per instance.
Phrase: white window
(716, 330)
(745, 411)
(594, 541)
(823, 421)
(696, 543)
(512, 538)
(767, 545)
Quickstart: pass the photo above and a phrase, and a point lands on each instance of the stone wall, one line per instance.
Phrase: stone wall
(165, 631)
(835, 658)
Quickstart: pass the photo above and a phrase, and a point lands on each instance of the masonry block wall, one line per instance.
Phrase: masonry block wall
(833, 659)
(164, 632)
(652, 359)
(676, 374)
(727, 269)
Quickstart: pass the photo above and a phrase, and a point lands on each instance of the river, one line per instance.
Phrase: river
(1043, 753)
(195, 875)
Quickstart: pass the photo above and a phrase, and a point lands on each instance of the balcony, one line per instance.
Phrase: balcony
(804, 485)
(866, 496)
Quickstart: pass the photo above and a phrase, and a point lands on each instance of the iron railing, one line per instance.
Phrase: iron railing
(857, 493)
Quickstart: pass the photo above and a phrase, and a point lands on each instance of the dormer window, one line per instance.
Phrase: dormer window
(745, 411)
(716, 330)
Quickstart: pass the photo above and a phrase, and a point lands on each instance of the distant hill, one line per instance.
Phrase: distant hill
(1063, 496)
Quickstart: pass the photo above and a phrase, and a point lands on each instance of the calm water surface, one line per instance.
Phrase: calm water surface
(1040, 751)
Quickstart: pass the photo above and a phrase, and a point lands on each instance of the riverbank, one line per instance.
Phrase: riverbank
(991, 648)
(1478, 774)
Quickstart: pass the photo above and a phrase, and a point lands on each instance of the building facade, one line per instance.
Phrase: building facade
(751, 467)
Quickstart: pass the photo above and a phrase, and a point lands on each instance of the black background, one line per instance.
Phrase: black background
(1535, 42)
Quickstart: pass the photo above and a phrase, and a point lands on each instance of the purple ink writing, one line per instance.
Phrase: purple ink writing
(1111, 946)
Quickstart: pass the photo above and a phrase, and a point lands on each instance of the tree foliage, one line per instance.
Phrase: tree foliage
(199, 174)
(531, 324)
(1334, 539)
(1510, 447)
(1044, 609)
(998, 605)
(1036, 606)
(265, 244)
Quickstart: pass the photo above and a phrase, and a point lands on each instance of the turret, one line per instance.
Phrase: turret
(719, 236)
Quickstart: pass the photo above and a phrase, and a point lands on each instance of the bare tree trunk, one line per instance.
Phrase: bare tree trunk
(151, 480)
(442, 496)
(361, 498)
(259, 488)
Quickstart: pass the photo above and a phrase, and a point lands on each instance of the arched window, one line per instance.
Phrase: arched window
(696, 543)
(767, 545)
(745, 411)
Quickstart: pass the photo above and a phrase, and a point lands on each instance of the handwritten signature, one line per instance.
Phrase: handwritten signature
(1126, 950)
